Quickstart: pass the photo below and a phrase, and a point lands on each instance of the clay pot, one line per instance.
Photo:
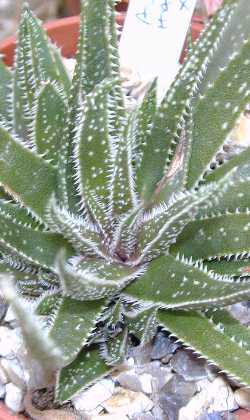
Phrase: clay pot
(6, 415)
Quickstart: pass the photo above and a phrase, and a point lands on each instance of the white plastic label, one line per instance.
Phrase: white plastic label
(153, 37)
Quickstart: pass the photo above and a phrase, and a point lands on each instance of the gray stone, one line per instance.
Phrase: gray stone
(163, 346)
(161, 374)
(141, 354)
(126, 402)
(3, 375)
(94, 396)
(147, 416)
(135, 382)
(216, 397)
(176, 394)
(189, 366)
(14, 398)
(241, 311)
(3, 309)
(2, 391)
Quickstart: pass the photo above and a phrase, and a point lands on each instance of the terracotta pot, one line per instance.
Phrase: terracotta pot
(59, 32)
(5, 414)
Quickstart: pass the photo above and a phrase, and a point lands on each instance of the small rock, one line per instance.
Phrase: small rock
(190, 367)
(163, 346)
(9, 342)
(94, 396)
(10, 315)
(176, 394)
(2, 391)
(126, 402)
(241, 311)
(141, 354)
(147, 416)
(14, 398)
(3, 309)
(3, 375)
(242, 397)
(216, 397)
(161, 374)
(14, 371)
(109, 417)
(134, 382)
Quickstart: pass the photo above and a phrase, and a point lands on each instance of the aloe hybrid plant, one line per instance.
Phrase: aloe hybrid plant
(113, 223)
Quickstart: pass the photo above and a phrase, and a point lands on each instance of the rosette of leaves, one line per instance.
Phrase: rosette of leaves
(113, 223)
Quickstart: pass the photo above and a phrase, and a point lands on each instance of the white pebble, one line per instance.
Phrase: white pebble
(10, 341)
(14, 398)
(94, 396)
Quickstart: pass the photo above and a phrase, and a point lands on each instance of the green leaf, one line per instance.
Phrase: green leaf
(34, 64)
(94, 153)
(96, 60)
(234, 267)
(234, 29)
(83, 236)
(143, 324)
(194, 329)
(49, 119)
(215, 237)
(176, 283)
(169, 117)
(48, 304)
(85, 370)
(5, 93)
(18, 166)
(122, 186)
(230, 326)
(218, 111)
(61, 69)
(77, 320)
(161, 226)
(143, 122)
(35, 246)
(114, 351)
(94, 279)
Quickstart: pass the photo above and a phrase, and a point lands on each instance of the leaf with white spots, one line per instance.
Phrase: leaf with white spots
(218, 110)
(5, 93)
(114, 350)
(215, 237)
(94, 279)
(33, 245)
(77, 320)
(34, 64)
(83, 236)
(174, 283)
(123, 196)
(49, 120)
(27, 177)
(231, 327)
(234, 267)
(143, 324)
(167, 122)
(161, 226)
(85, 370)
(234, 31)
(94, 151)
(206, 339)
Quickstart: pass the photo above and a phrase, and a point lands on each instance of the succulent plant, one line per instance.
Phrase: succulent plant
(113, 222)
